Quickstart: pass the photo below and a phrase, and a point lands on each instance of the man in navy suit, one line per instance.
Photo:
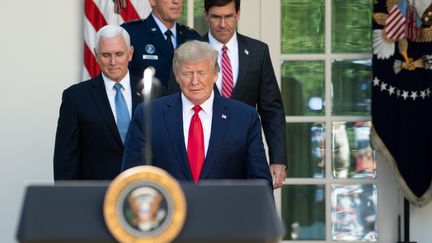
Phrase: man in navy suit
(88, 142)
(153, 46)
(254, 80)
(231, 143)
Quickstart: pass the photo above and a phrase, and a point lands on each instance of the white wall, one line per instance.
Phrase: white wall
(41, 52)
(41, 55)
(421, 223)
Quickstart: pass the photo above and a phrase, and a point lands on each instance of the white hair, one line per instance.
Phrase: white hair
(194, 50)
(109, 31)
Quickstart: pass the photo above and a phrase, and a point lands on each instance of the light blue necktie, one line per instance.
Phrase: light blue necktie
(122, 112)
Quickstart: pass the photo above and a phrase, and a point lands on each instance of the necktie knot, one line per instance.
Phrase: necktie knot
(224, 48)
(168, 34)
(118, 87)
(197, 109)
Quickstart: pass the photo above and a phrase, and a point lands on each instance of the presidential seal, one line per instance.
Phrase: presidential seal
(144, 204)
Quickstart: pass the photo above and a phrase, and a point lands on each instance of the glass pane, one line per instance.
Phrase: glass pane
(353, 212)
(306, 156)
(302, 87)
(200, 25)
(351, 87)
(303, 212)
(353, 19)
(183, 17)
(302, 27)
(352, 154)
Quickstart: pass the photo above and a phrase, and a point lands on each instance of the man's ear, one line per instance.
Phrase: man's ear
(131, 51)
(237, 16)
(152, 3)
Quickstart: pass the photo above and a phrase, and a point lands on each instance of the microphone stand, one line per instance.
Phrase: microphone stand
(147, 94)
(406, 224)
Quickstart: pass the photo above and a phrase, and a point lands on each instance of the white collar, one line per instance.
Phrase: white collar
(109, 84)
(207, 106)
(231, 44)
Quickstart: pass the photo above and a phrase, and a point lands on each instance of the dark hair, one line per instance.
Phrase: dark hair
(219, 3)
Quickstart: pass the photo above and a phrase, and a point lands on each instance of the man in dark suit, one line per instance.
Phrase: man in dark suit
(253, 78)
(153, 45)
(198, 134)
(95, 114)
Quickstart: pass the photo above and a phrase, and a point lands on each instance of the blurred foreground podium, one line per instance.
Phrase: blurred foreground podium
(217, 211)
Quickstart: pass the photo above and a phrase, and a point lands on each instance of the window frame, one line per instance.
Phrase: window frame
(267, 28)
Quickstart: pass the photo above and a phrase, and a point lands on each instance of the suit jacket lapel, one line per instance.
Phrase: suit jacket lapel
(158, 38)
(220, 121)
(174, 124)
(180, 36)
(101, 99)
(136, 95)
(243, 54)
(205, 37)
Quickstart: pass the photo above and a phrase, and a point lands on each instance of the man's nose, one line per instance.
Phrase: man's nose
(195, 78)
(222, 22)
(113, 60)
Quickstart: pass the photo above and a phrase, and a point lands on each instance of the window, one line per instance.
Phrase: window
(321, 52)
(330, 193)
(192, 15)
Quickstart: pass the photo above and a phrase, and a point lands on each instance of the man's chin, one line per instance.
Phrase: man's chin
(223, 37)
(115, 76)
(196, 99)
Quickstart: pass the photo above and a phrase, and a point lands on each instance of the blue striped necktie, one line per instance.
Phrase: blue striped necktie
(122, 112)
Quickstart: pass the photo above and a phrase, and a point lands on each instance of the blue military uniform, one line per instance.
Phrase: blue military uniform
(151, 48)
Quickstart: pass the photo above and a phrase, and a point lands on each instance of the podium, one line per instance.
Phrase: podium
(217, 211)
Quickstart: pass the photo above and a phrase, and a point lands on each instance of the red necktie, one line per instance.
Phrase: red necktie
(196, 145)
(227, 76)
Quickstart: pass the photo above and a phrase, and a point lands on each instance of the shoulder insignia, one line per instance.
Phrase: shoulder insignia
(134, 21)
(187, 28)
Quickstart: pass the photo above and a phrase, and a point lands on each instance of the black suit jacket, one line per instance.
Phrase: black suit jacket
(151, 48)
(257, 86)
(88, 145)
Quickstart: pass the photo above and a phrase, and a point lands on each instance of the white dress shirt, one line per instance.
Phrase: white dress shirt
(111, 92)
(205, 115)
(232, 53)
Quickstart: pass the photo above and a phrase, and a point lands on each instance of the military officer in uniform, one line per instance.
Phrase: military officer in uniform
(156, 37)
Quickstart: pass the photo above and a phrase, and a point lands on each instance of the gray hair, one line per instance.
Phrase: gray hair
(195, 51)
(109, 31)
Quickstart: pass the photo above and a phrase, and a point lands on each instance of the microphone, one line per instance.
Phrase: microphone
(148, 82)
(156, 89)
